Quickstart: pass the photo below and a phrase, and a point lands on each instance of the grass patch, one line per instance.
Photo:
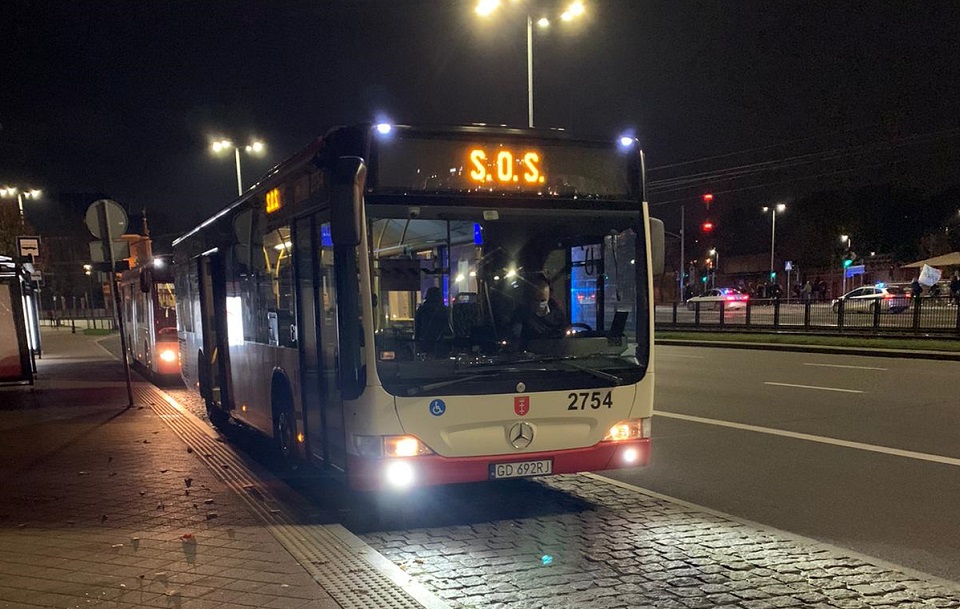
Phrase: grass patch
(97, 332)
(912, 344)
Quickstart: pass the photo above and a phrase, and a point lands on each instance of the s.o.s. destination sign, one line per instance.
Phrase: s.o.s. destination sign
(505, 167)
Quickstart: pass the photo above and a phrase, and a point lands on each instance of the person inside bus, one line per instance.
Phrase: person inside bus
(540, 316)
(432, 320)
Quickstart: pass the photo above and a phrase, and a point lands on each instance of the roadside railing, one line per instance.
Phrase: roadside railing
(926, 315)
(80, 319)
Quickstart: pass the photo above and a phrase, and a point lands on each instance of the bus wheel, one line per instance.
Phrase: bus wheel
(284, 434)
(218, 418)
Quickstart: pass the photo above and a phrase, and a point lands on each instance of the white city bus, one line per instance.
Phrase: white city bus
(150, 318)
(299, 305)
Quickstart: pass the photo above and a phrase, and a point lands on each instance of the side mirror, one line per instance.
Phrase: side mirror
(349, 176)
(656, 246)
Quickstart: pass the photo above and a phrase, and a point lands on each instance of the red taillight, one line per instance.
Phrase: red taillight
(887, 296)
(745, 297)
(731, 298)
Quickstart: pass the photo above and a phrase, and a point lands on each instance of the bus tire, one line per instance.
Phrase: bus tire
(218, 418)
(284, 424)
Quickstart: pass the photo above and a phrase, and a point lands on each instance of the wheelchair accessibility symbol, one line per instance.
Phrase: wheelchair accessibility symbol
(437, 408)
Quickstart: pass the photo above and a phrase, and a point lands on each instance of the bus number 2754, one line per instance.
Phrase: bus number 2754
(595, 399)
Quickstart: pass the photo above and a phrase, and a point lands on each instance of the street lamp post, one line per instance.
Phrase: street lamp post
(778, 209)
(20, 194)
(576, 9)
(254, 147)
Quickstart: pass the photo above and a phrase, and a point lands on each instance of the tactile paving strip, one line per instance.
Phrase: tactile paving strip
(352, 572)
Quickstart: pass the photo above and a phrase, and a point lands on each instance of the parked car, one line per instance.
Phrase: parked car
(868, 298)
(728, 298)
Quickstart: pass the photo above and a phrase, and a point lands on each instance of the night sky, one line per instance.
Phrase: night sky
(123, 97)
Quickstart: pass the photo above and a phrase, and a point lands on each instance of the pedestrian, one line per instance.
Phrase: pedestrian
(955, 289)
(916, 290)
(821, 289)
(807, 291)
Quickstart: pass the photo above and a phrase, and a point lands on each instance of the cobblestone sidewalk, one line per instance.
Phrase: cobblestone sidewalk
(579, 542)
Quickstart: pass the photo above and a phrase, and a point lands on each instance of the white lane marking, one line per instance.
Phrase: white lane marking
(842, 366)
(813, 387)
(886, 450)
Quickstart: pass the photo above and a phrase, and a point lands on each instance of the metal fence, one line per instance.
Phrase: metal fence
(83, 319)
(926, 315)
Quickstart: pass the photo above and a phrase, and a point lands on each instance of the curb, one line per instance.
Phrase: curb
(864, 351)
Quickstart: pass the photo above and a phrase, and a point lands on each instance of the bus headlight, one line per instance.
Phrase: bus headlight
(631, 429)
(168, 356)
(404, 446)
(399, 474)
(390, 446)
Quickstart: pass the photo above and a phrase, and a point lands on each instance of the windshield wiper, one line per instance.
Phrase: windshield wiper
(606, 376)
(431, 386)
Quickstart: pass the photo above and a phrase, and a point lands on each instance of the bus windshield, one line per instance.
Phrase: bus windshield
(467, 305)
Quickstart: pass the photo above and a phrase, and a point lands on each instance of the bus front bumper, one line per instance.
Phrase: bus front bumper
(369, 474)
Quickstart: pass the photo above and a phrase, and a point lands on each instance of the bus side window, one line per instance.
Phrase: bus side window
(276, 289)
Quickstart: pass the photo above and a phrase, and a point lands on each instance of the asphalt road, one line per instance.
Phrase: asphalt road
(813, 444)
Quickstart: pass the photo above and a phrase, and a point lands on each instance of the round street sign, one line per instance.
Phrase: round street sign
(116, 218)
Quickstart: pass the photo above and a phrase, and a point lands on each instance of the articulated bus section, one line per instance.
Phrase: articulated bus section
(150, 317)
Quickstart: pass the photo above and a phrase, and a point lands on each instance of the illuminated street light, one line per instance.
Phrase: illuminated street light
(9, 192)
(485, 8)
(779, 209)
(254, 147)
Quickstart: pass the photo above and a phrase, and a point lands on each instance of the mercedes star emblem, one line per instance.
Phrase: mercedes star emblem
(521, 435)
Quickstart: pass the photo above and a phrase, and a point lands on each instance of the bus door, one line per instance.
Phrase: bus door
(317, 308)
(213, 312)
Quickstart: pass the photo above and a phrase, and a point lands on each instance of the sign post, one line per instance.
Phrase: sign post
(104, 219)
(29, 247)
(788, 266)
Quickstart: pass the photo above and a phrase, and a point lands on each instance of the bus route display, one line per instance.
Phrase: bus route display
(411, 163)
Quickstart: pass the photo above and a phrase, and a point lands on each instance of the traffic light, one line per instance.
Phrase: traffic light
(849, 258)
(707, 226)
(847, 262)
(707, 199)
(773, 275)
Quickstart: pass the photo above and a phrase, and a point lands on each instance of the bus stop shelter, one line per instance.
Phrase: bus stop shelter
(19, 324)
